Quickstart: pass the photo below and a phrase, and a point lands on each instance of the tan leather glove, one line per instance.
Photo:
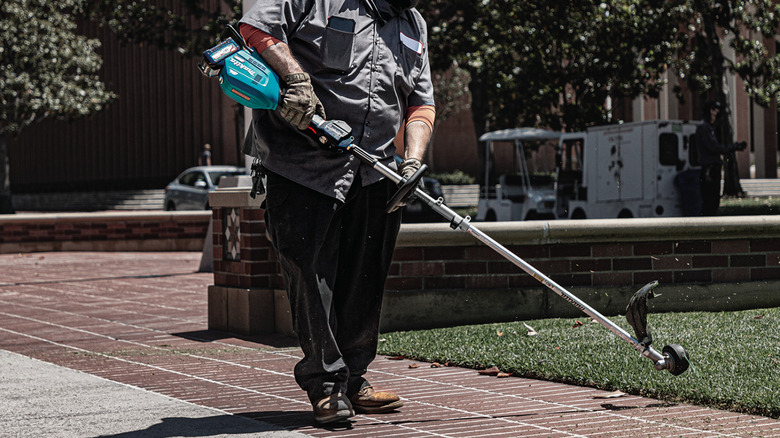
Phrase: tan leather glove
(408, 167)
(299, 103)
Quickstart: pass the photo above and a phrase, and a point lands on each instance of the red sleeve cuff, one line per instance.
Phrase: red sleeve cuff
(256, 38)
(421, 113)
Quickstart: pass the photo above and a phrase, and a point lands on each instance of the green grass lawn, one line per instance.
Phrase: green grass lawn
(735, 356)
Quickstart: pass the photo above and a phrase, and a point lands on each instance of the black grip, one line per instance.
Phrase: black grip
(335, 134)
(406, 190)
(233, 33)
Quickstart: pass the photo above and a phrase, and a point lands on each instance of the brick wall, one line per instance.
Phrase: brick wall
(588, 264)
(254, 265)
(128, 231)
(248, 295)
(440, 277)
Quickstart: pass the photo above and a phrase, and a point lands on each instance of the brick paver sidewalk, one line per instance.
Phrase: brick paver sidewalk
(140, 319)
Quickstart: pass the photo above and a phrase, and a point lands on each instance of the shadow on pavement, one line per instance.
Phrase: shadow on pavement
(220, 425)
(272, 340)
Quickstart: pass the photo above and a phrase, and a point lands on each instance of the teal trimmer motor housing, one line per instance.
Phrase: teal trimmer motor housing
(242, 73)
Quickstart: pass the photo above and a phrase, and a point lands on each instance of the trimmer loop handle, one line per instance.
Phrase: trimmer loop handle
(406, 189)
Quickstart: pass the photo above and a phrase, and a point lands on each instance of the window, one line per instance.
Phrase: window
(191, 178)
(571, 154)
(668, 149)
(693, 151)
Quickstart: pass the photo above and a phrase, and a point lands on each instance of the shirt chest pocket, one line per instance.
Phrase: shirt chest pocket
(338, 44)
(409, 61)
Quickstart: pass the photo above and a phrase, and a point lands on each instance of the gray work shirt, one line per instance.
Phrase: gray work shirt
(367, 71)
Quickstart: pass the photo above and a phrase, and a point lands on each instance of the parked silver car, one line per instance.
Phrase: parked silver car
(190, 190)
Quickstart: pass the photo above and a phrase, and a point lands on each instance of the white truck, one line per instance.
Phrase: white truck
(626, 170)
(509, 191)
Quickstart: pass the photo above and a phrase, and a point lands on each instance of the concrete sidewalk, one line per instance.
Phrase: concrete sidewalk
(115, 344)
(41, 399)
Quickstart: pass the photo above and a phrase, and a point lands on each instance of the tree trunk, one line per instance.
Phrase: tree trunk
(479, 110)
(731, 185)
(6, 206)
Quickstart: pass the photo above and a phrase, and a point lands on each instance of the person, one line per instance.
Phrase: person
(364, 62)
(205, 156)
(731, 183)
(710, 152)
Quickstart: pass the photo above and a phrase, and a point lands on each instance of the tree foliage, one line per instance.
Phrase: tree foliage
(559, 64)
(189, 27)
(46, 69)
(451, 91)
(737, 25)
(742, 27)
(553, 63)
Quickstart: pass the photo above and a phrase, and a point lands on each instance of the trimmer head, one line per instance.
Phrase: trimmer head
(674, 358)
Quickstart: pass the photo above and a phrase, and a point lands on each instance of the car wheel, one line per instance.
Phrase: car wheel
(170, 206)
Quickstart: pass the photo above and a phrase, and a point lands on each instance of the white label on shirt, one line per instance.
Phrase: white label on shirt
(412, 44)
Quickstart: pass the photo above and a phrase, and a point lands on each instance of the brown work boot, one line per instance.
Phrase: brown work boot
(335, 407)
(368, 401)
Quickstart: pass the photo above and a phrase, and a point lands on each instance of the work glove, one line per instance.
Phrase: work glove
(741, 146)
(406, 169)
(299, 103)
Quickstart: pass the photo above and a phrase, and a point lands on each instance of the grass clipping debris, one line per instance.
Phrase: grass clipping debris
(735, 356)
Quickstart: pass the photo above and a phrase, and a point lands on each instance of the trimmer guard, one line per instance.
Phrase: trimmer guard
(636, 313)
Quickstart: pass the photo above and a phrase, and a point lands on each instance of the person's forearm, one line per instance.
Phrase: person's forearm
(275, 52)
(416, 138)
(299, 103)
(281, 60)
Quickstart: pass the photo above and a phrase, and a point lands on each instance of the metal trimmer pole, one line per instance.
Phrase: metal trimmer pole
(464, 224)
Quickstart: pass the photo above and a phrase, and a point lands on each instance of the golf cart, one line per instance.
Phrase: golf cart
(509, 192)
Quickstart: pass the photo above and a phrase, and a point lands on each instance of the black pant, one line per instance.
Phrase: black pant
(710, 189)
(335, 259)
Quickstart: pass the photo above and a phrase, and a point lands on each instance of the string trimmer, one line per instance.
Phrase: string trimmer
(245, 77)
